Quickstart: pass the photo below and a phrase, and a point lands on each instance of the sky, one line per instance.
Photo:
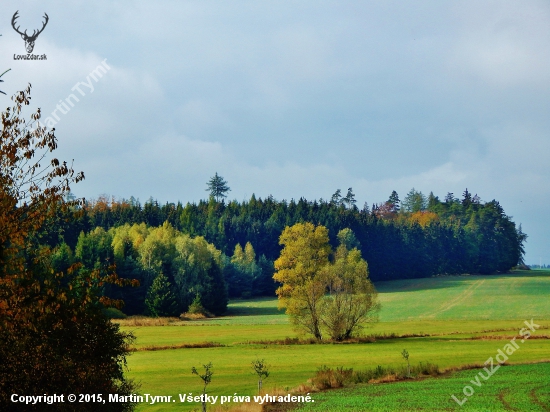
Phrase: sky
(296, 98)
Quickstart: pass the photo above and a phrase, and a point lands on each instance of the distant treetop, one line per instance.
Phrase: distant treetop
(217, 187)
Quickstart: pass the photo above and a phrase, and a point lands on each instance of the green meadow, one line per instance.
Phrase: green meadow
(450, 321)
(511, 388)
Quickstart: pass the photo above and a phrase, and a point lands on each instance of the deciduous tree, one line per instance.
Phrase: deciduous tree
(319, 295)
(55, 338)
(351, 299)
(306, 252)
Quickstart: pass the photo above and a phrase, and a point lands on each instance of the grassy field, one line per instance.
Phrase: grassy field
(515, 388)
(520, 295)
(465, 319)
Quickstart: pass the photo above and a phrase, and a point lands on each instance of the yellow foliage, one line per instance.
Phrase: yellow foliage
(424, 218)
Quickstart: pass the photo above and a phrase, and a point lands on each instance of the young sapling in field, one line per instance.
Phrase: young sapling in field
(262, 370)
(206, 378)
(405, 355)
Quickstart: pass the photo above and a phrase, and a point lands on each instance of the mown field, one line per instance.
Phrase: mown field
(461, 320)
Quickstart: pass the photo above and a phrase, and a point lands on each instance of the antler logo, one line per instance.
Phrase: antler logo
(29, 40)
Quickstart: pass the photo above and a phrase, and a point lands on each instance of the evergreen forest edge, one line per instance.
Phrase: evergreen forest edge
(202, 254)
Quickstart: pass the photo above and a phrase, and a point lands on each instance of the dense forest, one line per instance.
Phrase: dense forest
(216, 249)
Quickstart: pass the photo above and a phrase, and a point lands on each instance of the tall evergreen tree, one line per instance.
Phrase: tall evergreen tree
(336, 198)
(394, 201)
(466, 199)
(214, 293)
(217, 187)
(449, 197)
(349, 200)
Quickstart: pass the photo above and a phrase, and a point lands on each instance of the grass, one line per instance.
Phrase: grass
(520, 295)
(440, 308)
(167, 372)
(519, 388)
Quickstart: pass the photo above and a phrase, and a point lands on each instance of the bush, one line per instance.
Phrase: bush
(400, 373)
(327, 378)
(114, 313)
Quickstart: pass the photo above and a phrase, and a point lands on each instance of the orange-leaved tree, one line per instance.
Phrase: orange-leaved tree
(54, 337)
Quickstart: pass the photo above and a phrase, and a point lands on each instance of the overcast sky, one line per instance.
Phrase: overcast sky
(297, 98)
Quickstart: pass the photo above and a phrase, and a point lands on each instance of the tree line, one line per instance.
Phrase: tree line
(420, 236)
(174, 269)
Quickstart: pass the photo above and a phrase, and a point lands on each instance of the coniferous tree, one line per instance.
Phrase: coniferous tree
(466, 199)
(394, 201)
(349, 200)
(449, 198)
(160, 300)
(415, 201)
(336, 198)
(214, 293)
(217, 187)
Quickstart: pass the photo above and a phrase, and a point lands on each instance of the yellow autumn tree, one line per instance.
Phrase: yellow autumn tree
(324, 296)
(423, 218)
(351, 298)
(306, 252)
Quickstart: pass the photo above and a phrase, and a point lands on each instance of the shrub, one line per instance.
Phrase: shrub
(114, 313)
(326, 378)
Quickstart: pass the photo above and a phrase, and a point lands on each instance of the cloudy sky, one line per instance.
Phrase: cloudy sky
(297, 98)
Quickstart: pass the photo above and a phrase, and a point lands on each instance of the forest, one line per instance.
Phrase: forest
(214, 250)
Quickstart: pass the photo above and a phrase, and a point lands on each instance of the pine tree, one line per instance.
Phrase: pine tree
(336, 198)
(449, 198)
(394, 201)
(349, 200)
(415, 201)
(217, 187)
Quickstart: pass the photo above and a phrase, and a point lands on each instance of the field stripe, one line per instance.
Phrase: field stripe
(458, 300)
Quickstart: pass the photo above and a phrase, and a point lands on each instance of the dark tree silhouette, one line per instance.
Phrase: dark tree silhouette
(217, 187)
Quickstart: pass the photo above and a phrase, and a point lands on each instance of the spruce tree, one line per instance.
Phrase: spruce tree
(160, 300)
(394, 201)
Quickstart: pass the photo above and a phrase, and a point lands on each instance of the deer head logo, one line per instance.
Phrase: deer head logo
(29, 40)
